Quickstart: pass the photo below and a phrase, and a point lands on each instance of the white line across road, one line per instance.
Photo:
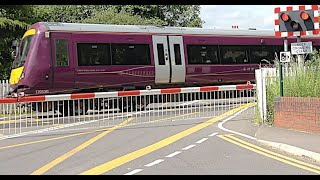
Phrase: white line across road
(213, 134)
(170, 155)
(188, 147)
(173, 154)
(133, 172)
(201, 140)
(154, 163)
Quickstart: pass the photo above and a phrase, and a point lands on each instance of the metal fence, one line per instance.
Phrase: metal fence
(265, 76)
(56, 113)
(4, 90)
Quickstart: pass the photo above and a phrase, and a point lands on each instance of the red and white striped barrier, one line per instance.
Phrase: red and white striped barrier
(126, 93)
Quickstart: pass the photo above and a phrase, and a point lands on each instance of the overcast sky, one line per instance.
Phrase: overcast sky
(243, 16)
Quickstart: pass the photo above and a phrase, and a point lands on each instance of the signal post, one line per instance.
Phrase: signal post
(295, 21)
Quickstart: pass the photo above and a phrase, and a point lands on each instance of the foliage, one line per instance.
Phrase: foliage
(14, 20)
(66, 13)
(173, 15)
(302, 82)
(121, 18)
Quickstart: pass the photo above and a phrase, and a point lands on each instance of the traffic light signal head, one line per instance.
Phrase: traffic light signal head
(299, 20)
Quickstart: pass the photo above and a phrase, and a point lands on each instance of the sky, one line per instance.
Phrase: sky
(243, 16)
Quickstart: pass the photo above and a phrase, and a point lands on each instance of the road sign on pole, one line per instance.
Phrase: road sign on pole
(285, 56)
(301, 48)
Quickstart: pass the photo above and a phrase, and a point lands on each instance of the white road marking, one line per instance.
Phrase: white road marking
(173, 154)
(133, 172)
(201, 140)
(154, 163)
(188, 147)
(234, 132)
(213, 134)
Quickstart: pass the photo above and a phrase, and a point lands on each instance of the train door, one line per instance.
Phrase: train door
(178, 66)
(63, 65)
(169, 59)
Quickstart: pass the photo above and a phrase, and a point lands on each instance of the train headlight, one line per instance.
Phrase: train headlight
(22, 76)
(20, 94)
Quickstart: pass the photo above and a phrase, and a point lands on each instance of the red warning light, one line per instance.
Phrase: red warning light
(304, 16)
(284, 17)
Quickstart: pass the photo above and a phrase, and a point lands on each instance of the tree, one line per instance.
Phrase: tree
(14, 20)
(173, 15)
(66, 13)
(112, 16)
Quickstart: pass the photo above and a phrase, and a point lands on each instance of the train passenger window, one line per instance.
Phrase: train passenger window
(130, 54)
(177, 54)
(93, 54)
(262, 54)
(62, 56)
(161, 54)
(202, 54)
(233, 55)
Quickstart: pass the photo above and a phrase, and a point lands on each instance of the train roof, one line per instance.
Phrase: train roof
(59, 26)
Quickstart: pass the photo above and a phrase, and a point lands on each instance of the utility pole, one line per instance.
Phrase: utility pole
(285, 48)
(300, 56)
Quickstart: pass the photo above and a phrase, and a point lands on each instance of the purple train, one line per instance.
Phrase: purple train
(56, 58)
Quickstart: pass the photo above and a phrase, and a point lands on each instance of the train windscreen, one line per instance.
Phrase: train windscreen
(23, 51)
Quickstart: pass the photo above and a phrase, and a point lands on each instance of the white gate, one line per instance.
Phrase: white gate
(50, 113)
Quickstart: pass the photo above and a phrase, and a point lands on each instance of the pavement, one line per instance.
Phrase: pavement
(292, 141)
(305, 144)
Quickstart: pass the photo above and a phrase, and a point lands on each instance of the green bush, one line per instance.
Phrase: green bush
(301, 82)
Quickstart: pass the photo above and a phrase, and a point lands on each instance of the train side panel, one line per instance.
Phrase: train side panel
(104, 61)
(221, 59)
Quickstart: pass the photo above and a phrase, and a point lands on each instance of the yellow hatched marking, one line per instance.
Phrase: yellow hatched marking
(58, 160)
(162, 143)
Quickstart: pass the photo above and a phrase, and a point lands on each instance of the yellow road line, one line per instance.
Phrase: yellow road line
(273, 153)
(51, 139)
(270, 154)
(77, 149)
(73, 135)
(160, 120)
(19, 120)
(7, 121)
(141, 152)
